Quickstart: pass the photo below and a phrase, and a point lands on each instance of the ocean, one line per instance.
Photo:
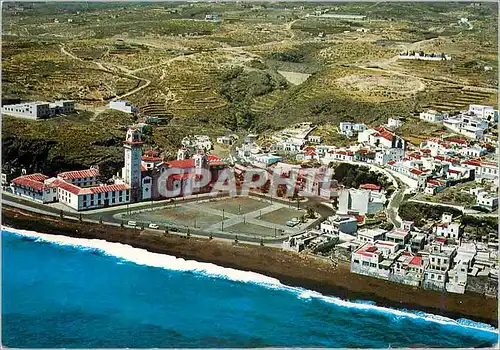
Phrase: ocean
(76, 293)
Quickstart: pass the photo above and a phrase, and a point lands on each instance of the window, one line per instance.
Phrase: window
(113, 194)
(432, 275)
(106, 194)
(439, 277)
(365, 263)
(99, 195)
(373, 265)
(92, 202)
(356, 261)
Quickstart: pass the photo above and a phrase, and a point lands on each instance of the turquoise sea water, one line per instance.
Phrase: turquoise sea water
(65, 292)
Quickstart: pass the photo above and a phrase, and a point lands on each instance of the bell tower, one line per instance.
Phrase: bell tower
(132, 170)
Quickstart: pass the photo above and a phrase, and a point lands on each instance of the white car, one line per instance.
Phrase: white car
(132, 223)
(155, 226)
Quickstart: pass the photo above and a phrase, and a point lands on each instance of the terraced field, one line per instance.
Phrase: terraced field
(223, 77)
(454, 98)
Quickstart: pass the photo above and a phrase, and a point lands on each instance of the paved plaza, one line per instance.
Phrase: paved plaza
(240, 215)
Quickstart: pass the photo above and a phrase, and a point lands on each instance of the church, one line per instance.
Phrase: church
(137, 181)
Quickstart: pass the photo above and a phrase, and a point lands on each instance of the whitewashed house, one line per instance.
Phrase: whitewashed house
(440, 258)
(337, 224)
(360, 201)
(431, 116)
(123, 106)
(447, 228)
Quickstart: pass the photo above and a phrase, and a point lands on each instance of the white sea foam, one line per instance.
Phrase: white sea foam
(144, 257)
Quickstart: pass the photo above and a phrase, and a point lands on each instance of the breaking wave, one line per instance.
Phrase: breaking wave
(143, 257)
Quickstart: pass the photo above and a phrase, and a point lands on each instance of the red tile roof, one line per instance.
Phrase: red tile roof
(151, 159)
(186, 163)
(384, 133)
(189, 163)
(106, 188)
(151, 153)
(416, 171)
(416, 260)
(89, 190)
(33, 181)
(453, 171)
(79, 174)
(67, 186)
(456, 140)
(360, 218)
(370, 187)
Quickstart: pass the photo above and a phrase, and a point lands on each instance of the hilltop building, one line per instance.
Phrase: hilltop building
(39, 110)
(123, 106)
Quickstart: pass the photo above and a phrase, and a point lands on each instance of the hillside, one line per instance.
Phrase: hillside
(257, 69)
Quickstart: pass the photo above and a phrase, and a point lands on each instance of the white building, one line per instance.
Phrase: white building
(124, 106)
(349, 129)
(386, 155)
(36, 187)
(381, 137)
(79, 198)
(487, 200)
(314, 139)
(131, 172)
(337, 224)
(39, 110)
(431, 116)
(448, 229)
(425, 57)
(483, 169)
(360, 201)
(197, 142)
(394, 123)
(369, 259)
(474, 151)
(487, 113)
(399, 236)
(370, 235)
(462, 262)
(440, 258)
(225, 140)
(81, 178)
(264, 159)
(467, 124)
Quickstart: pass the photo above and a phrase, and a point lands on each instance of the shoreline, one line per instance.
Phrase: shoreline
(289, 268)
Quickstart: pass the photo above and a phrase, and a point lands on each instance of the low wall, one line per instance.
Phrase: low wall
(482, 285)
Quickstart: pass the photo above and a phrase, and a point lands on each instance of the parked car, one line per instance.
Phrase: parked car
(132, 223)
(154, 226)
